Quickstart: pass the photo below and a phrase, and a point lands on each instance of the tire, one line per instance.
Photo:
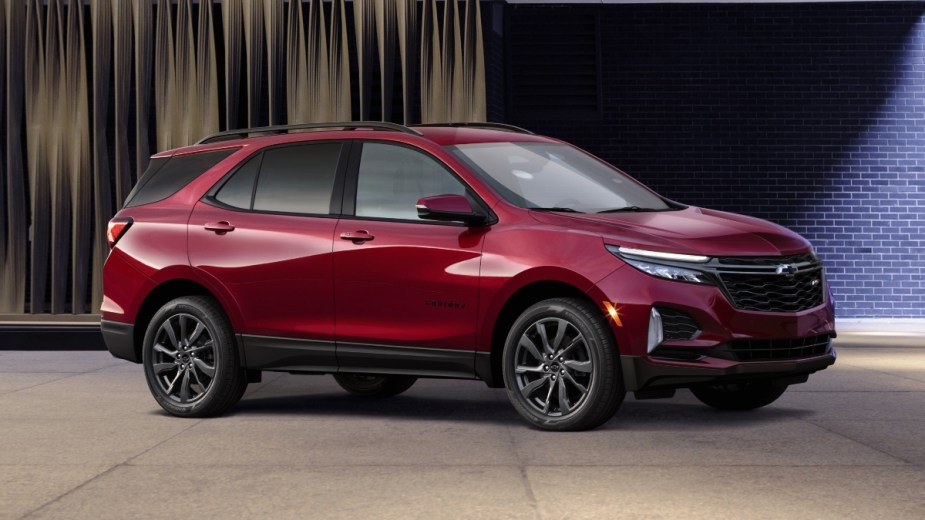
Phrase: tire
(190, 360)
(739, 396)
(580, 387)
(374, 386)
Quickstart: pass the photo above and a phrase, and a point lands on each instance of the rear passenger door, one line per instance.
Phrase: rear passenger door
(406, 294)
(265, 233)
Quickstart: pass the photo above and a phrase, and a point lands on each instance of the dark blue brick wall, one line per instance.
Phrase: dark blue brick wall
(809, 115)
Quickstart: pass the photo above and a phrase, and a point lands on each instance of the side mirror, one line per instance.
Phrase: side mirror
(449, 208)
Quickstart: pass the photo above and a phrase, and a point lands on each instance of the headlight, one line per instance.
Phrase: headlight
(634, 257)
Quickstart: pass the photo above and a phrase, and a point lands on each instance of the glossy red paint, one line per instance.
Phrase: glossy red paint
(340, 278)
(278, 269)
(413, 284)
(447, 203)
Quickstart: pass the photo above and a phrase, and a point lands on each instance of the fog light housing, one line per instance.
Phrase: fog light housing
(656, 331)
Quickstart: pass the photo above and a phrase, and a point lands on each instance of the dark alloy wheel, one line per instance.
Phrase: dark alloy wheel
(561, 367)
(739, 396)
(190, 361)
(369, 385)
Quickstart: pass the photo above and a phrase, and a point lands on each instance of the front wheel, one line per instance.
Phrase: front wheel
(190, 360)
(739, 396)
(373, 385)
(561, 367)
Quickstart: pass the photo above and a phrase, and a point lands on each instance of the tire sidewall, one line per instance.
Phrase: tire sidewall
(564, 310)
(220, 349)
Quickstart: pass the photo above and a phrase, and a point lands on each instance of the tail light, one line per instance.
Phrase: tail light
(117, 227)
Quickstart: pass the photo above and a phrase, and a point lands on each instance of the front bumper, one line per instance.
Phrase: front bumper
(633, 294)
(644, 372)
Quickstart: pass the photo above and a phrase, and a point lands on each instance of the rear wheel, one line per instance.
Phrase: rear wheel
(739, 396)
(190, 360)
(561, 367)
(374, 386)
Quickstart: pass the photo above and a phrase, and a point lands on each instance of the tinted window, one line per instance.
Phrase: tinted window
(393, 178)
(297, 179)
(238, 190)
(163, 179)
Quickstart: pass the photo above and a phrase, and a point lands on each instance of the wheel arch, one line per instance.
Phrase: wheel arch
(163, 293)
(514, 305)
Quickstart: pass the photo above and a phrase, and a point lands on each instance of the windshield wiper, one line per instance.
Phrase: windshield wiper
(563, 210)
(627, 209)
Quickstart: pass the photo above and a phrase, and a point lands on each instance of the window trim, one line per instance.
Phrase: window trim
(352, 182)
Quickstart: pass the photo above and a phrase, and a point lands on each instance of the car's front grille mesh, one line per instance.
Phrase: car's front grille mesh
(765, 261)
(677, 325)
(755, 284)
(777, 349)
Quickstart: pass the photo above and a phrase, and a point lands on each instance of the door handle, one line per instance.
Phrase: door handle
(220, 228)
(357, 237)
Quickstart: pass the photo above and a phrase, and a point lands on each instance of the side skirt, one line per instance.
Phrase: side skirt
(302, 355)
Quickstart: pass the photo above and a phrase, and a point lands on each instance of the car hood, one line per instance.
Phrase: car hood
(691, 231)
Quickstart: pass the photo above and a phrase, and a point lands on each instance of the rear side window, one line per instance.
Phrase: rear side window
(297, 179)
(238, 190)
(166, 176)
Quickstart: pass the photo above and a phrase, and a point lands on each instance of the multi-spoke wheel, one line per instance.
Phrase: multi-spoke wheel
(190, 361)
(370, 385)
(561, 367)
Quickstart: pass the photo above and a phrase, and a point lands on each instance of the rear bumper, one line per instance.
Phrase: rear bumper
(120, 339)
(644, 372)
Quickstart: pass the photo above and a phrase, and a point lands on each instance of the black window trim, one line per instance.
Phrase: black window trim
(352, 180)
(334, 209)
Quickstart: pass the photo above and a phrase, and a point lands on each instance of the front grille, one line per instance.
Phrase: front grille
(677, 325)
(755, 284)
(767, 260)
(776, 349)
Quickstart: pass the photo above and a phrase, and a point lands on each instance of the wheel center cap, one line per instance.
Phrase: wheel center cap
(555, 367)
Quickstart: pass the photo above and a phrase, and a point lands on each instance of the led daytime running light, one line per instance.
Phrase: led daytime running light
(660, 255)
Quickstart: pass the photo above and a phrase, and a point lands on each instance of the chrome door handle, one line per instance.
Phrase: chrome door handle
(357, 237)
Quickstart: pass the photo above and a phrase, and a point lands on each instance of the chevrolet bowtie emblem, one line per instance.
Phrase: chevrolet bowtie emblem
(786, 269)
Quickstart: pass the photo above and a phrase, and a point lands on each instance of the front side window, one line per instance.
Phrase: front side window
(297, 179)
(393, 178)
(556, 176)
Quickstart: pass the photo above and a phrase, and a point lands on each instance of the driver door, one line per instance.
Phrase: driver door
(406, 289)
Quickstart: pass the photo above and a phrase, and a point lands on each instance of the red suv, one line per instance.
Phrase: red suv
(381, 253)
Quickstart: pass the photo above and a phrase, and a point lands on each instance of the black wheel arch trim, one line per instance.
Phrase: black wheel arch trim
(120, 340)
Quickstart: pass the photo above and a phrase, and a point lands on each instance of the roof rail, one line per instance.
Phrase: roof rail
(495, 126)
(279, 129)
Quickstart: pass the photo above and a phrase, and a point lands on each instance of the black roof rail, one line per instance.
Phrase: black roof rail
(279, 129)
(495, 126)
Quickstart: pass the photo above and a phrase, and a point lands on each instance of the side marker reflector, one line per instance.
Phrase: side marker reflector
(613, 312)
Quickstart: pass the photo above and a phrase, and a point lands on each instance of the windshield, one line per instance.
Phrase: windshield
(555, 177)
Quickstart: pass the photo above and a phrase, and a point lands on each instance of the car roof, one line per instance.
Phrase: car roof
(441, 135)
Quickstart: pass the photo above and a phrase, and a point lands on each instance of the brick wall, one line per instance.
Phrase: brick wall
(809, 115)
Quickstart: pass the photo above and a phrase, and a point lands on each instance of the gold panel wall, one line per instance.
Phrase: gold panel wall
(90, 89)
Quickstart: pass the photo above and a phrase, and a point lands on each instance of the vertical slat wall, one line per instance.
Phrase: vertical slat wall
(89, 89)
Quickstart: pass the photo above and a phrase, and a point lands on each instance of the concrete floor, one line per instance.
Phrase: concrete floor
(80, 437)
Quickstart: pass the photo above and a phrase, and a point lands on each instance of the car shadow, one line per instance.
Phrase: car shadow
(402, 407)
(655, 415)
